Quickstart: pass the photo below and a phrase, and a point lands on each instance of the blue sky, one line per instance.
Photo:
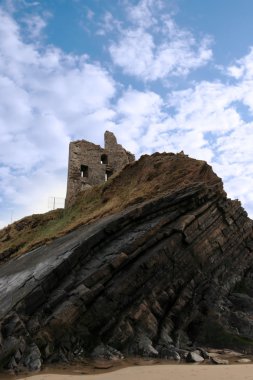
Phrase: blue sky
(163, 75)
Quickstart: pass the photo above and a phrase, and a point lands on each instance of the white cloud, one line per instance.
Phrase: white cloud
(108, 24)
(208, 111)
(47, 97)
(243, 67)
(235, 71)
(135, 112)
(152, 50)
(35, 25)
(142, 14)
(135, 103)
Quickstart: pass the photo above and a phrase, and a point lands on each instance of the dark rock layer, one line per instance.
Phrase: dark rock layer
(158, 279)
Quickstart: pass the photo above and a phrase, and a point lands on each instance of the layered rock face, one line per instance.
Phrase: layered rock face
(161, 276)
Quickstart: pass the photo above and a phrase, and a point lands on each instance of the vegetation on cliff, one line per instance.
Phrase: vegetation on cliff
(149, 177)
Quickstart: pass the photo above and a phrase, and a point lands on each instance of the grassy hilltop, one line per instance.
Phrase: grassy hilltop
(144, 179)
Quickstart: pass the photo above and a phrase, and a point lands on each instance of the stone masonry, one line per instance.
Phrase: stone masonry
(90, 165)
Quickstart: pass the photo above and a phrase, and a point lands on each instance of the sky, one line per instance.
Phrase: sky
(163, 75)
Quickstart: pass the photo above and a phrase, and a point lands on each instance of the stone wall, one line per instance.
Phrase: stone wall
(90, 165)
(118, 156)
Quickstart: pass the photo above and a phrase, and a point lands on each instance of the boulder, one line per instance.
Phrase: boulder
(203, 353)
(143, 345)
(169, 353)
(106, 352)
(217, 360)
(194, 357)
(33, 360)
(244, 360)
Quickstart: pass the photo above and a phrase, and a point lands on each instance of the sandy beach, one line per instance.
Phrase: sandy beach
(160, 372)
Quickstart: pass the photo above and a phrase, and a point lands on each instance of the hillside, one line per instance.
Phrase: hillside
(144, 179)
(156, 262)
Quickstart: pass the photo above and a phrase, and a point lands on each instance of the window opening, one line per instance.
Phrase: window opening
(108, 174)
(84, 171)
(104, 159)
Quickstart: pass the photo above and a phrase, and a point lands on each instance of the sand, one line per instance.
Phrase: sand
(162, 372)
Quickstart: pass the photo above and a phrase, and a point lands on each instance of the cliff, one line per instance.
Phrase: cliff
(144, 179)
(168, 268)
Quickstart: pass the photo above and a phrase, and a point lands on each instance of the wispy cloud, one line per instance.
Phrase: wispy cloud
(35, 25)
(136, 112)
(108, 24)
(242, 68)
(153, 48)
(143, 14)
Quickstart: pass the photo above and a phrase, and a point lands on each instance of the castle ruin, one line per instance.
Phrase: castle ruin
(90, 165)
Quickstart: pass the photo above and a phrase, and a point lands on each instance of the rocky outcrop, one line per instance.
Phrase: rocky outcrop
(157, 279)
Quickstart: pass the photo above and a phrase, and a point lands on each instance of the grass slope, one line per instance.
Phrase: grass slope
(144, 179)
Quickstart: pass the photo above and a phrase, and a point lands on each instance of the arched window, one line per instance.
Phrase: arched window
(84, 169)
(104, 159)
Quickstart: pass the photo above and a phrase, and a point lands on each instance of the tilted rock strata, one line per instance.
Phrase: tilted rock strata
(143, 282)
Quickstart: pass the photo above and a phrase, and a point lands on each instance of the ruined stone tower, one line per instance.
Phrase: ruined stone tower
(90, 165)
